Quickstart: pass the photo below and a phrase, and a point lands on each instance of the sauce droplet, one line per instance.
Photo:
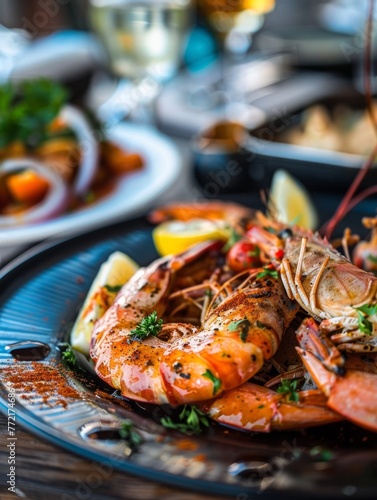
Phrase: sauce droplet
(28, 350)
(252, 470)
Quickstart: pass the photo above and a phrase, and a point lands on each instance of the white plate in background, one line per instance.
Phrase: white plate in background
(134, 192)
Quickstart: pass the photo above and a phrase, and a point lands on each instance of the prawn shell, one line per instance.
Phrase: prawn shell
(203, 358)
(342, 286)
(249, 407)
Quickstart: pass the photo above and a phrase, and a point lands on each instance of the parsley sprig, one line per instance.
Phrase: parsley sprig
(321, 454)
(372, 258)
(128, 433)
(216, 381)
(148, 326)
(363, 312)
(241, 326)
(68, 355)
(289, 389)
(113, 288)
(267, 272)
(27, 111)
(191, 420)
(234, 236)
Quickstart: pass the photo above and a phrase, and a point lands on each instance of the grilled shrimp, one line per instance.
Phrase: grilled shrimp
(185, 362)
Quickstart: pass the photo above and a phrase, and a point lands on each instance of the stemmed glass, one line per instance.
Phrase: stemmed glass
(144, 41)
(235, 21)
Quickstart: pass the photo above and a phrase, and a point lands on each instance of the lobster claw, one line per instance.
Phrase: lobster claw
(351, 393)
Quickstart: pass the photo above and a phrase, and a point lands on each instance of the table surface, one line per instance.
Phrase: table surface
(44, 472)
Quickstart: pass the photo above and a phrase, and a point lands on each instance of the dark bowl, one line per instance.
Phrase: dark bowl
(319, 169)
(230, 159)
(222, 160)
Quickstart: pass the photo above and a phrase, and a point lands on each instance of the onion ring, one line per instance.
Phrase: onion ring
(87, 169)
(53, 204)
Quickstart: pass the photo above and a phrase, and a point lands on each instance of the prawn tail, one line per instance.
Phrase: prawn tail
(251, 407)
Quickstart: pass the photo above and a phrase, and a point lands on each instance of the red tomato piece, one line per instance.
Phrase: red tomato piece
(243, 255)
(279, 254)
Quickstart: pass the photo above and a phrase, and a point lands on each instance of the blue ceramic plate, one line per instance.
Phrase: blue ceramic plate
(41, 294)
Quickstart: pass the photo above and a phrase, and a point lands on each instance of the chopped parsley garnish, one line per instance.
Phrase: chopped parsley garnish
(321, 454)
(372, 258)
(128, 433)
(68, 355)
(191, 420)
(363, 312)
(148, 326)
(253, 253)
(113, 289)
(216, 381)
(364, 324)
(233, 238)
(368, 310)
(242, 326)
(267, 272)
(289, 389)
(28, 109)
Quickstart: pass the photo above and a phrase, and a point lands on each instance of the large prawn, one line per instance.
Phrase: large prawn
(186, 363)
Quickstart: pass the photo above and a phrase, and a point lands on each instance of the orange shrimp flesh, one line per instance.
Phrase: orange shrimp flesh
(255, 408)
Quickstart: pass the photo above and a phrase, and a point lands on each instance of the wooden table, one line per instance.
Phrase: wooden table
(45, 472)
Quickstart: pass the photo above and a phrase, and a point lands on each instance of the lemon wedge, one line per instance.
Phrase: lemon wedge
(290, 202)
(112, 275)
(176, 236)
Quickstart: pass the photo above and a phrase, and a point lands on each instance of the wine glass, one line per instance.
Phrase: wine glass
(235, 21)
(144, 41)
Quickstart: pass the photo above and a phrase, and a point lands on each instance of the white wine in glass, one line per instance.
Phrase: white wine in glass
(144, 37)
(229, 18)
